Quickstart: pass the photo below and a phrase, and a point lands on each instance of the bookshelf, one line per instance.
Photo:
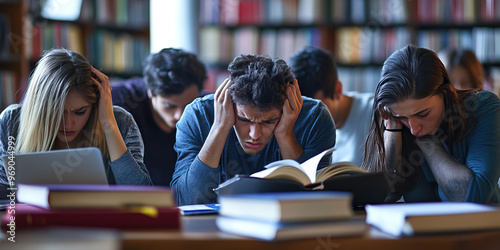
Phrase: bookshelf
(360, 34)
(112, 34)
(13, 64)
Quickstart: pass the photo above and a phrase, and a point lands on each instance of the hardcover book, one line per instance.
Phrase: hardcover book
(139, 217)
(53, 196)
(289, 175)
(289, 206)
(291, 230)
(432, 217)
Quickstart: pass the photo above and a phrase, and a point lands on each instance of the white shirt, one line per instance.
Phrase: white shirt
(351, 137)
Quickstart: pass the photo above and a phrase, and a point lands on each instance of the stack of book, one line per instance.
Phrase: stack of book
(102, 206)
(292, 215)
(290, 176)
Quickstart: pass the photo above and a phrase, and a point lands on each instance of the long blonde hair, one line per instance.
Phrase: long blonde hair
(58, 72)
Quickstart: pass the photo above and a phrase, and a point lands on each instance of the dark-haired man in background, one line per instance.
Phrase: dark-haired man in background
(316, 71)
(256, 116)
(172, 79)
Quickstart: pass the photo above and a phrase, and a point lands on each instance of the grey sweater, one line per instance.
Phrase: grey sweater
(128, 169)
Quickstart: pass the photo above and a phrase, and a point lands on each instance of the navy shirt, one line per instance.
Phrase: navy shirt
(159, 153)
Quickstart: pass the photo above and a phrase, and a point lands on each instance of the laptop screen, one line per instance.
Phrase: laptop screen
(67, 166)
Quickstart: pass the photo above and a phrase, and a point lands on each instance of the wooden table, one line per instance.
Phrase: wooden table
(200, 232)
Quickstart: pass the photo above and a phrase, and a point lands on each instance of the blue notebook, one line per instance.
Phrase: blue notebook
(199, 209)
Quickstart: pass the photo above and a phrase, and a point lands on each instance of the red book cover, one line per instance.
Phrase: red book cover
(249, 12)
(58, 34)
(27, 217)
(36, 42)
(111, 12)
(457, 11)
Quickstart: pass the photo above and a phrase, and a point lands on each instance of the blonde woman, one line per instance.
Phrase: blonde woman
(68, 105)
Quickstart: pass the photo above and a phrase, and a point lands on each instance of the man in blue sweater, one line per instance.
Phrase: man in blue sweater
(256, 116)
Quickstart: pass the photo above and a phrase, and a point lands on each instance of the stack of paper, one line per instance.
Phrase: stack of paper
(432, 217)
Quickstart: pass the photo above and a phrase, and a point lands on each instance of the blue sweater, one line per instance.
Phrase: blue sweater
(128, 169)
(479, 151)
(193, 182)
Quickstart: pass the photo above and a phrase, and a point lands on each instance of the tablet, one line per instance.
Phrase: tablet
(67, 166)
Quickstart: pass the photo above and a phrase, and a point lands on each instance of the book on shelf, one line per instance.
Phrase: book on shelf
(54, 196)
(249, 12)
(55, 34)
(228, 12)
(7, 78)
(287, 207)
(432, 217)
(7, 88)
(134, 217)
(311, 12)
(128, 13)
(108, 51)
(291, 230)
(209, 11)
(289, 175)
(4, 35)
(358, 11)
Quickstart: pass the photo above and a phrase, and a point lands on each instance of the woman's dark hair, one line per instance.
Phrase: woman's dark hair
(259, 81)
(171, 71)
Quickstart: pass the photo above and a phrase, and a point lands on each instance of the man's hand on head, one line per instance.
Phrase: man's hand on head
(224, 117)
(291, 111)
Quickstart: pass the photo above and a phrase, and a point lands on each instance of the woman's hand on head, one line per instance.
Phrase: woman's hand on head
(390, 122)
(105, 101)
(114, 139)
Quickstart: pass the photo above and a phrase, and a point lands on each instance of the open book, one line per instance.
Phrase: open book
(290, 176)
(307, 173)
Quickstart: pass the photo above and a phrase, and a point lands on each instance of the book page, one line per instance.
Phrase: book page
(283, 172)
(286, 162)
(311, 166)
(304, 173)
(339, 168)
(438, 208)
(285, 169)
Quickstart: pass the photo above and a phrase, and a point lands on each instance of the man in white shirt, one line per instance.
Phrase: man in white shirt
(316, 72)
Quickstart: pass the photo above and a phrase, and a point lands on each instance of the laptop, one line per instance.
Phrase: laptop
(67, 166)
